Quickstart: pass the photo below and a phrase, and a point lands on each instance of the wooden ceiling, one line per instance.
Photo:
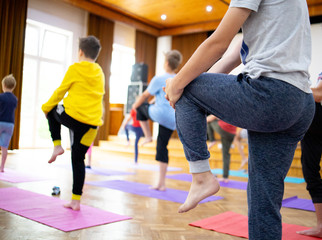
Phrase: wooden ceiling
(183, 16)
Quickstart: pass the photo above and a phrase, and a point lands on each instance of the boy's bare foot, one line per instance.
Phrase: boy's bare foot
(146, 140)
(313, 232)
(211, 144)
(74, 204)
(158, 188)
(2, 170)
(58, 150)
(203, 185)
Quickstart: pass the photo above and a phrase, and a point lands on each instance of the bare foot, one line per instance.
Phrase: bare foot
(58, 150)
(244, 161)
(1, 170)
(203, 185)
(74, 204)
(313, 232)
(146, 140)
(211, 144)
(225, 180)
(158, 188)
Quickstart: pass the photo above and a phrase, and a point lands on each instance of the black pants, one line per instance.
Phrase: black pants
(163, 136)
(162, 144)
(81, 137)
(311, 156)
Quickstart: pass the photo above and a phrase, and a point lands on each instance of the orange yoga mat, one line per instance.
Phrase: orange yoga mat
(237, 225)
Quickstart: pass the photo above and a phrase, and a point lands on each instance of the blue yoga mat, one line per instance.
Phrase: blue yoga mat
(241, 173)
(173, 195)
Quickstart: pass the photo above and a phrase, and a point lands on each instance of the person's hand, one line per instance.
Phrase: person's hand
(317, 94)
(172, 93)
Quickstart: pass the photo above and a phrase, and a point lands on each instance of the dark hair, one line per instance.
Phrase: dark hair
(174, 59)
(9, 82)
(90, 46)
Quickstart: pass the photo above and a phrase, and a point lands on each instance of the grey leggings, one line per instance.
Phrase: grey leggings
(276, 115)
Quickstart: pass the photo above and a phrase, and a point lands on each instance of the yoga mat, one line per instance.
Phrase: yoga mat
(237, 225)
(298, 203)
(229, 184)
(98, 171)
(173, 195)
(241, 173)
(13, 176)
(50, 210)
(143, 166)
(106, 172)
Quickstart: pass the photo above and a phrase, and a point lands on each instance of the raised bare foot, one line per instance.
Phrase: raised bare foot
(58, 150)
(146, 140)
(74, 204)
(313, 232)
(203, 185)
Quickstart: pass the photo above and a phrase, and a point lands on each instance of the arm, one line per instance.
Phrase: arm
(141, 99)
(207, 53)
(59, 93)
(317, 92)
(230, 60)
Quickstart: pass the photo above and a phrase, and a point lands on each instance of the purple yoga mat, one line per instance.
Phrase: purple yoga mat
(144, 166)
(230, 184)
(173, 195)
(50, 210)
(298, 203)
(98, 171)
(17, 177)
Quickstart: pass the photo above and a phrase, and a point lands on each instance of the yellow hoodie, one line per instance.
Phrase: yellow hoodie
(84, 82)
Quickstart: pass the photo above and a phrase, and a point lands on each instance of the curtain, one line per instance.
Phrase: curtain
(146, 51)
(103, 29)
(187, 44)
(13, 14)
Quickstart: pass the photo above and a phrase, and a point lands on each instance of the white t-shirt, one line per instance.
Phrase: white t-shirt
(277, 41)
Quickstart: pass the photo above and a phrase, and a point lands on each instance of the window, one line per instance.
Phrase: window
(123, 58)
(48, 52)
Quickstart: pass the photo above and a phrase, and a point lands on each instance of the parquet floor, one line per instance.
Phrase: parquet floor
(152, 219)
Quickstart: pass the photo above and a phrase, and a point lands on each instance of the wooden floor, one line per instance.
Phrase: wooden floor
(152, 219)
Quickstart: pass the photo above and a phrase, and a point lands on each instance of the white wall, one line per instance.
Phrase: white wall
(62, 15)
(316, 64)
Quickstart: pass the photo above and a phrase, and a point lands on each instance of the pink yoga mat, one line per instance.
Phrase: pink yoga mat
(237, 225)
(50, 211)
(13, 176)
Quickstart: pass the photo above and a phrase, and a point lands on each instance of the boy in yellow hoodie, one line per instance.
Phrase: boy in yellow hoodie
(81, 111)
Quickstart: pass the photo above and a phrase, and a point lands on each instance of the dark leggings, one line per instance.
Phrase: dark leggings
(311, 147)
(138, 134)
(81, 137)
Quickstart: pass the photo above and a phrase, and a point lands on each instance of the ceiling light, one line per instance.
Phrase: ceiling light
(209, 8)
(163, 17)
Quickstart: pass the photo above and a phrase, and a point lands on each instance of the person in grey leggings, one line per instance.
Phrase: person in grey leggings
(271, 98)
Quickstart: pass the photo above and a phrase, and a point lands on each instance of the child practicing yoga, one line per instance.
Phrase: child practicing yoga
(8, 104)
(271, 98)
(81, 111)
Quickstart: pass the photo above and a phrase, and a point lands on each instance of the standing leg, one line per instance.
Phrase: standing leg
(138, 135)
(211, 134)
(270, 157)
(162, 156)
(311, 146)
(4, 153)
(226, 140)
